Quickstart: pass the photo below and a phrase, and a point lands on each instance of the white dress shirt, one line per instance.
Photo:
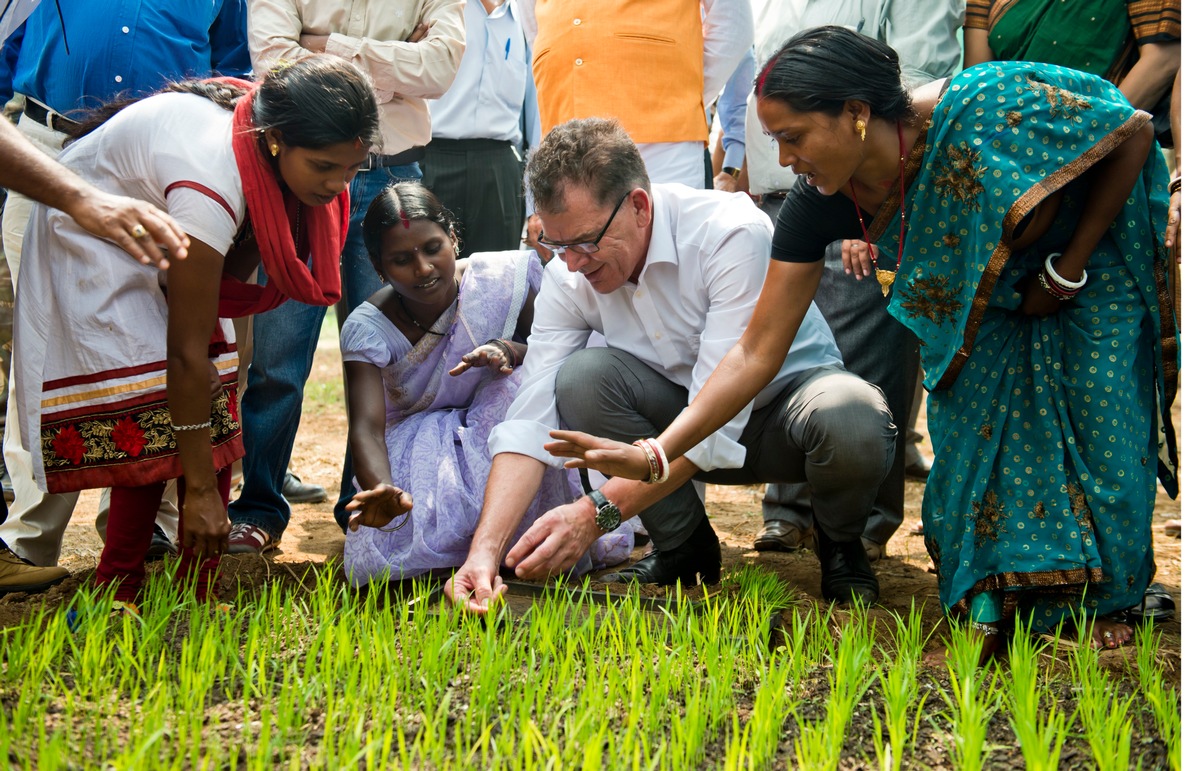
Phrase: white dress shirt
(493, 96)
(704, 271)
(371, 35)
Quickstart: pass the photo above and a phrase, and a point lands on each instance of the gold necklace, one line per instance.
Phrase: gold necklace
(885, 277)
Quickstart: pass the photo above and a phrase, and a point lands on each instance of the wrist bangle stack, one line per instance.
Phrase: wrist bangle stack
(656, 457)
(192, 427)
(509, 352)
(1176, 185)
(1055, 285)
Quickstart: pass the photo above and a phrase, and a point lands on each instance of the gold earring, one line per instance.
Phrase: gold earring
(862, 129)
(274, 150)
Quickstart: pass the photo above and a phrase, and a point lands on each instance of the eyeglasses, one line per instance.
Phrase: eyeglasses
(582, 247)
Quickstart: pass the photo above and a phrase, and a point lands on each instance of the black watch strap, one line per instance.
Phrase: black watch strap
(608, 516)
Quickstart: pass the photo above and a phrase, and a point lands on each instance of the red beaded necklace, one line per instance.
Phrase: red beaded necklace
(885, 277)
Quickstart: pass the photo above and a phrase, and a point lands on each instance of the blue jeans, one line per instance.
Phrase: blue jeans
(285, 339)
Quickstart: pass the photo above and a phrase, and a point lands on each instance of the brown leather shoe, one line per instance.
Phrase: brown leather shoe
(17, 575)
(778, 535)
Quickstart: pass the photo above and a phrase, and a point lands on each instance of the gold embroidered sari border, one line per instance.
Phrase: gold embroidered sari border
(1070, 581)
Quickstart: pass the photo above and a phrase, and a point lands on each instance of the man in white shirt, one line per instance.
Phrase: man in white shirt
(481, 129)
(670, 277)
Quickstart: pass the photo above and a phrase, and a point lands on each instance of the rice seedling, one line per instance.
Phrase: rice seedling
(1165, 706)
(901, 694)
(1104, 715)
(1038, 720)
(973, 697)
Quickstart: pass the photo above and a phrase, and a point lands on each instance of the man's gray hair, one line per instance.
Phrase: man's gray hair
(593, 153)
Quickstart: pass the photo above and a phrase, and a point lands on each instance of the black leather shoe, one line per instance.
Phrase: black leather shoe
(846, 573)
(295, 491)
(160, 546)
(698, 556)
(778, 535)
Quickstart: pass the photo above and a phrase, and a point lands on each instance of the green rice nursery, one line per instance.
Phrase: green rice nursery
(303, 671)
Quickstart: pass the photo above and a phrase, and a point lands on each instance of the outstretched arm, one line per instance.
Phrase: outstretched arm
(512, 483)
(114, 218)
(380, 502)
(748, 367)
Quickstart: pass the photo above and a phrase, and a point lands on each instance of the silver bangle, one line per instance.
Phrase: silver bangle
(1075, 285)
(192, 427)
(986, 629)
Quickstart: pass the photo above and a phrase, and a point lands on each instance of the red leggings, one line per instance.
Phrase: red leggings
(131, 526)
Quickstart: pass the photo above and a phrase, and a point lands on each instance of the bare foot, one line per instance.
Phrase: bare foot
(1108, 634)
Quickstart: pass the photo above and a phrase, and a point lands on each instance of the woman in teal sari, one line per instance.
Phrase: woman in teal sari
(1018, 210)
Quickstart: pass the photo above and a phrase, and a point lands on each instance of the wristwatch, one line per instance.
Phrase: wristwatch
(732, 171)
(608, 516)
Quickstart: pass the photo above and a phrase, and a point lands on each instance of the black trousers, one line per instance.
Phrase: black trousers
(480, 181)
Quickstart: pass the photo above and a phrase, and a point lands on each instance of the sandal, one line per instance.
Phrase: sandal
(1157, 607)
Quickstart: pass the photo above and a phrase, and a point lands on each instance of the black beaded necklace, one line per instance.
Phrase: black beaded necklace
(413, 318)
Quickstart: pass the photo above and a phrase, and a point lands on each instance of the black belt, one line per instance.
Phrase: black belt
(49, 118)
(411, 155)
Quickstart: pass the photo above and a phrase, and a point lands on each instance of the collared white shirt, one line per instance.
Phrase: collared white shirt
(705, 268)
(493, 95)
(371, 35)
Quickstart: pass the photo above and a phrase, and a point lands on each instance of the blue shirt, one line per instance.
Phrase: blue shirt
(731, 109)
(121, 46)
(492, 96)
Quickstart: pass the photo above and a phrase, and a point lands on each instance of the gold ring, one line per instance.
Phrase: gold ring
(139, 231)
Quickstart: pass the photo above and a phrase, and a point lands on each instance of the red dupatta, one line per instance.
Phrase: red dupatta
(268, 206)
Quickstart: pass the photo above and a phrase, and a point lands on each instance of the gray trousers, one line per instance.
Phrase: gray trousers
(480, 181)
(827, 427)
(880, 350)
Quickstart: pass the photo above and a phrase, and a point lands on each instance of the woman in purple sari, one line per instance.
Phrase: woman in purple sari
(432, 364)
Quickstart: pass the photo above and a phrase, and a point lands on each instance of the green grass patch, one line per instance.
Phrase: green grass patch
(314, 674)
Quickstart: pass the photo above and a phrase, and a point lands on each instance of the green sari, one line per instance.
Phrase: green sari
(1048, 431)
(1087, 35)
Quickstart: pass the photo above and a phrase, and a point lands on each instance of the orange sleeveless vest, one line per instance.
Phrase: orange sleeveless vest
(639, 61)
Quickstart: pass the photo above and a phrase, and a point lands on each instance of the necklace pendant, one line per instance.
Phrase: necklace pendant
(885, 278)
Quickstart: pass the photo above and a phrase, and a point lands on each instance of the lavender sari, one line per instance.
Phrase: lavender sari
(437, 426)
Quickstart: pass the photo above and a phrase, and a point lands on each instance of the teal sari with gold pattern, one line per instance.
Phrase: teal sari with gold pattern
(1049, 431)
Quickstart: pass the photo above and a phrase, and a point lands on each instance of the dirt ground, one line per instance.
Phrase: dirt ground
(312, 535)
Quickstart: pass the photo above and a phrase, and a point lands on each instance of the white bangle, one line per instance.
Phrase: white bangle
(192, 427)
(663, 464)
(1059, 279)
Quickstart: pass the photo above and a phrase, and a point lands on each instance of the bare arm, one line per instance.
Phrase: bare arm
(1111, 179)
(192, 295)
(975, 47)
(30, 172)
(512, 483)
(1171, 240)
(380, 502)
(366, 406)
(1151, 75)
(744, 371)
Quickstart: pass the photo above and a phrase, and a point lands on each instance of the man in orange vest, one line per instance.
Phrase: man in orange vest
(653, 66)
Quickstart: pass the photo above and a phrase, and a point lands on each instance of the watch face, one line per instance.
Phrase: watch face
(608, 517)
